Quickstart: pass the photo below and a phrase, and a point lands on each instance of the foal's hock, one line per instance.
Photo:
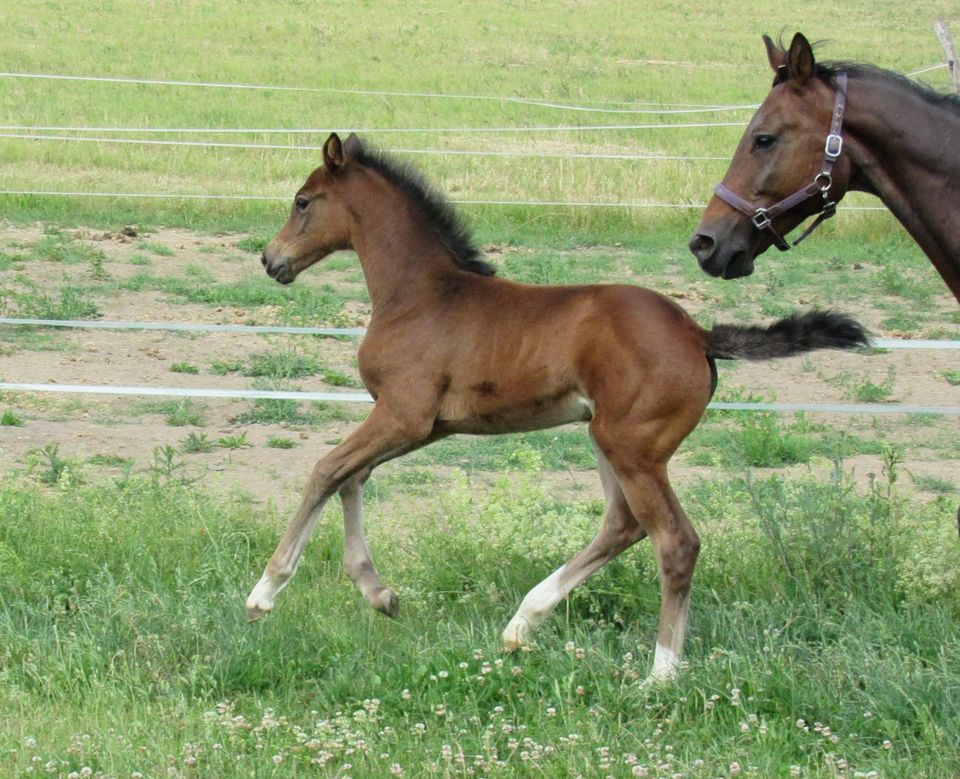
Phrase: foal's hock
(451, 348)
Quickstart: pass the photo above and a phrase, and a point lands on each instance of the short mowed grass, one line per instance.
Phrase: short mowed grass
(824, 636)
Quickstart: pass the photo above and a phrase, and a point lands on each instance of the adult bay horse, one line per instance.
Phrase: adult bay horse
(451, 348)
(826, 129)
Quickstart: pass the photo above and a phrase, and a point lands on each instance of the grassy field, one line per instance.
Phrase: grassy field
(643, 56)
(825, 624)
(825, 638)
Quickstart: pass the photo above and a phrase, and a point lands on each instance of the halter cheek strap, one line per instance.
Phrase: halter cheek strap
(762, 218)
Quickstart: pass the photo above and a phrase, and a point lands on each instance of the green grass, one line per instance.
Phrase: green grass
(196, 443)
(71, 303)
(558, 53)
(62, 248)
(952, 377)
(279, 442)
(824, 627)
(238, 441)
(304, 303)
(179, 413)
(10, 418)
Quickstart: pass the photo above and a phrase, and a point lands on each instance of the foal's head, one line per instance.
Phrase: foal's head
(780, 153)
(357, 181)
(319, 218)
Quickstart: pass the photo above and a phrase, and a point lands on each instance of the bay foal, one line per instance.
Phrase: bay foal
(451, 348)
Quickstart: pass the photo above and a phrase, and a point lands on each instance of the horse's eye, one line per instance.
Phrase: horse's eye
(301, 203)
(764, 141)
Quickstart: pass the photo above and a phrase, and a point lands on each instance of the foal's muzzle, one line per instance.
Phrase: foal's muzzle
(279, 271)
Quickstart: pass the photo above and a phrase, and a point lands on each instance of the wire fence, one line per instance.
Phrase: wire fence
(355, 397)
(79, 134)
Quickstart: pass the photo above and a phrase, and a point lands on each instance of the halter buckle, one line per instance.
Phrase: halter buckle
(833, 146)
(761, 220)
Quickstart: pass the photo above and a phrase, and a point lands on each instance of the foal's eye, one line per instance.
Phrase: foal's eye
(764, 141)
(301, 203)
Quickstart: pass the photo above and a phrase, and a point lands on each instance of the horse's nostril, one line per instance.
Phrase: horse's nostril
(263, 259)
(702, 246)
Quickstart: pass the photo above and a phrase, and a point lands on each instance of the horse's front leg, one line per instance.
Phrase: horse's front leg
(382, 435)
(357, 563)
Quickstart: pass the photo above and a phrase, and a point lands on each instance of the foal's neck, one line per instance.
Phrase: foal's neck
(405, 263)
(904, 149)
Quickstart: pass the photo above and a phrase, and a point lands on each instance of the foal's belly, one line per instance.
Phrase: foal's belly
(491, 418)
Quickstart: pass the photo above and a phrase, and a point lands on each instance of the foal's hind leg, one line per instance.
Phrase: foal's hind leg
(676, 545)
(357, 563)
(620, 530)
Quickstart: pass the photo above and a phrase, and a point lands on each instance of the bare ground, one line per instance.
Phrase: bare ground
(109, 430)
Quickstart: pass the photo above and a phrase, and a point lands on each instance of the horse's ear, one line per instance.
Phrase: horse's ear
(775, 54)
(333, 153)
(800, 64)
(352, 145)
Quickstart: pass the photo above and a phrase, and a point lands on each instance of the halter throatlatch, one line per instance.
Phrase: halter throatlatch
(762, 218)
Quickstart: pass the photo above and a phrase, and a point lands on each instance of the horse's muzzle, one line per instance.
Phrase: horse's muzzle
(718, 261)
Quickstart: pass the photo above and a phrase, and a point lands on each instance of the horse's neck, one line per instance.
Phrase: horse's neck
(905, 152)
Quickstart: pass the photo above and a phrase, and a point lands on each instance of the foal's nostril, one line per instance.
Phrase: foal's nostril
(702, 246)
(263, 259)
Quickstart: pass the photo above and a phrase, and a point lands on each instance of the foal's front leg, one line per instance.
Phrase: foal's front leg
(381, 436)
(357, 563)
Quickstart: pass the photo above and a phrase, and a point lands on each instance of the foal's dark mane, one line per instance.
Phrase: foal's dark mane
(449, 225)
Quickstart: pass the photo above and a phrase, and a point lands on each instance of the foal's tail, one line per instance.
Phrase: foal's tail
(788, 336)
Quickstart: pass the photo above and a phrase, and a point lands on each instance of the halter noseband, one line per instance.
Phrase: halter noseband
(762, 218)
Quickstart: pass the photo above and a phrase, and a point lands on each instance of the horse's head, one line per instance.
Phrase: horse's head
(319, 218)
(781, 154)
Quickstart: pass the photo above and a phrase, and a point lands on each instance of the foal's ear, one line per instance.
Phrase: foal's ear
(352, 145)
(775, 55)
(800, 64)
(333, 153)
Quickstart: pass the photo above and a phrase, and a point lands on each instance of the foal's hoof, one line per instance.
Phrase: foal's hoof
(254, 613)
(515, 636)
(387, 602)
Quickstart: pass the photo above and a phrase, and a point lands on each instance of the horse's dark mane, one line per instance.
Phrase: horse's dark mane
(948, 100)
(826, 71)
(449, 225)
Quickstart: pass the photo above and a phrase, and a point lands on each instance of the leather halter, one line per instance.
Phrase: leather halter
(762, 218)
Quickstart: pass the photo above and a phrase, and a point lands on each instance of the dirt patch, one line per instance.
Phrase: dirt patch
(114, 432)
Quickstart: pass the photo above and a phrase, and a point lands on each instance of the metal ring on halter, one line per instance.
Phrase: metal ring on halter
(833, 146)
(824, 180)
(761, 219)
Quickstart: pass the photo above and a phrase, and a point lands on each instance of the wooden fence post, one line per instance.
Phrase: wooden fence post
(946, 41)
